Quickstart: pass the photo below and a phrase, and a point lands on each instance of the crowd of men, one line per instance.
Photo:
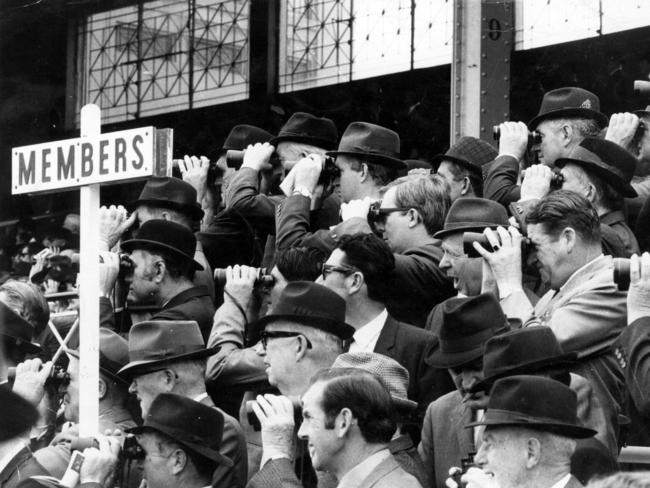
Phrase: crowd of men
(311, 311)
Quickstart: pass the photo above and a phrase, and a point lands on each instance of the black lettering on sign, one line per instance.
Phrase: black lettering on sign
(26, 173)
(45, 177)
(86, 159)
(103, 157)
(137, 163)
(494, 29)
(65, 166)
(120, 154)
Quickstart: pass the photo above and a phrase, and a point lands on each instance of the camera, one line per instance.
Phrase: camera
(234, 158)
(622, 273)
(263, 280)
(126, 266)
(58, 376)
(329, 173)
(469, 238)
(465, 464)
(534, 137)
(642, 87)
(557, 180)
(130, 447)
(254, 422)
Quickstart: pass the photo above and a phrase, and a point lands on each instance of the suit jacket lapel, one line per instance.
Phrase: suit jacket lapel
(464, 436)
(386, 340)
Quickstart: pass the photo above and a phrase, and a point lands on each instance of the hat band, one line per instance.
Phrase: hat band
(372, 151)
(466, 343)
(163, 353)
(180, 434)
(464, 225)
(585, 156)
(507, 416)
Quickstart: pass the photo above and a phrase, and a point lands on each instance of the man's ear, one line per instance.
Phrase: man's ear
(356, 282)
(533, 452)
(103, 388)
(301, 347)
(414, 217)
(344, 422)
(567, 134)
(364, 173)
(169, 379)
(178, 460)
(570, 239)
(464, 190)
(160, 268)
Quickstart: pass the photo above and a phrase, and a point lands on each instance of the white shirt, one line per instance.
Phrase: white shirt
(562, 483)
(365, 338)
(354, 477)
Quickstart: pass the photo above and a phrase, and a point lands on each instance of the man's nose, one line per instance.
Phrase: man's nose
(259, 349)
(445, 262)
(302, 432)
(480, 458)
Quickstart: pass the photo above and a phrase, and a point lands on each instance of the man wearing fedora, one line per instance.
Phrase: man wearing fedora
(584, 308)
(360, 270)
(462, 166)
(305, 333)
(467, 323)
(530, 433)
(161, 276)
(15, 339)
(170, 357)
(113, 398)
(367, 159)
(566, 116)
(303, 134)
(182, 444)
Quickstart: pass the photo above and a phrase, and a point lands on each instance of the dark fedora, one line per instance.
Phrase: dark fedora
(378, 144)
(113, 353)
(569, 101)
(470, 214)
(312, 305)
(411, 164)
(534, 402)
(241, 136)
(523, 351)
(188, 423)
(394, 376)
(606, 160)
(308, 129)
(470, 152)
(154, 343)
(17, 330)
(169, 192)
(168, 236)
(467, 324)
(18, 415)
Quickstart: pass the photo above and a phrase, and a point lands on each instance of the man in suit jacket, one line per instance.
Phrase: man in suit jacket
(467, 323)
(360, 270)
(169, 357)
(531, 428)
(584, 307)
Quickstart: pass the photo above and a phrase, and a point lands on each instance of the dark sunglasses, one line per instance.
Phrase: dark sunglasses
(377, 214)
(326, 269)
(265, 336)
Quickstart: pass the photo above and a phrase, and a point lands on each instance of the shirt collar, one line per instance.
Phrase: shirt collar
(366, 337)
(361, 471)
(563, 481)
(579, 271)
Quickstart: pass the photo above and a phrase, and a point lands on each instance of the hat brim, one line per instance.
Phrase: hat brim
(584, 113)
(107, 372)
(135, 368)
(380, 159)
(194, 447)
(404, 404)
(556, 362)
(195, 212)
(24, 346)
(445, 360)
(439, 158)
(506, 418)
(607, 175)
(468, 227)
(314, 141)
(340, 329)
(132, 244)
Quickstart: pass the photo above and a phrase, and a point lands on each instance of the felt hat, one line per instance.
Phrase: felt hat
(17, 330)
(607, 160)
(470, 214)
(167, 236)
(373, 142)
(393, 375)
(169, 192)
(241, 136)
(569, 101)
(113, 353)
(191, 424)
(312, 305)
(522, 351)
(308, 129)
(470, 152)
(534, 402)
(467, 324)
(155, 343)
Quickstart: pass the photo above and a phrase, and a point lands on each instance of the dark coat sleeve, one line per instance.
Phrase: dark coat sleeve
(633, 353)
(277, 473)
(500, 180)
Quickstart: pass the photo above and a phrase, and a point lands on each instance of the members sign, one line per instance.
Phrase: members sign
(110, 157)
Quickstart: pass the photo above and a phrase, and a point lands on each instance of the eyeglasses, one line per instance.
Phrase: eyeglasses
(343, 269)
(265, 336)
(378, 214)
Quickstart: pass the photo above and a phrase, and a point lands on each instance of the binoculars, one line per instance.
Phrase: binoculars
(534, 137)
(264, 279)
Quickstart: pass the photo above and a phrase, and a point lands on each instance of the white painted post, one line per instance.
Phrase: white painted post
(89, 290)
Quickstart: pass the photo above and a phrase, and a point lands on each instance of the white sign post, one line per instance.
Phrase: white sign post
(86, 162)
